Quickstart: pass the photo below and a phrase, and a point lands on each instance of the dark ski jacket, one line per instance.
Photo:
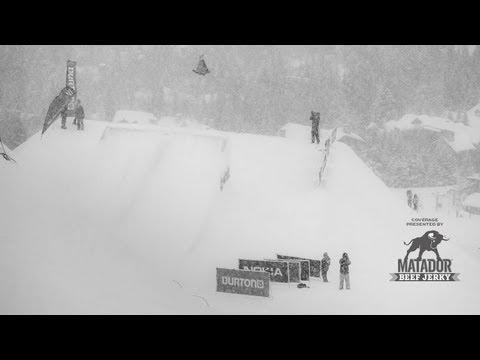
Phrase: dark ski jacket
(415, 200)
(63, 113)
(315, 118)
(325, 263)
(79, 113)
(344, 263)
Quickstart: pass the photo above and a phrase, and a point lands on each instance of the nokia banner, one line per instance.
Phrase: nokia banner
(278, 269)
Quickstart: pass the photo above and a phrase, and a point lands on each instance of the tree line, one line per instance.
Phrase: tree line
(251, 88)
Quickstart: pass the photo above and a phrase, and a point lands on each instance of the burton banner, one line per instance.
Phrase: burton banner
(256, 283)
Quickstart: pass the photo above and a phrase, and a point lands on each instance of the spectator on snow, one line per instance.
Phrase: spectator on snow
(63, 113)
(409, 198)
(438, 202)
(315, 118)
(325, 264)
(415, 202)
(457, 202)
(344, 271)
(79, 115)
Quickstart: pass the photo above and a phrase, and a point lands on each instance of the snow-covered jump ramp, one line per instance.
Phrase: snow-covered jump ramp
(158, 182)
(133, 221)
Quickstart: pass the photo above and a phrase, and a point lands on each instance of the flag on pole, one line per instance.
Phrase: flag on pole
(71, 82)
(59, 103)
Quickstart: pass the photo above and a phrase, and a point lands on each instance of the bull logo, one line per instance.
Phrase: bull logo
(428, 242)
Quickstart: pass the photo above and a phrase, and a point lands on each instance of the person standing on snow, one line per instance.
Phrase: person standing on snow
(344, 271)
(409, 198)
(457, 201)
(438, 202)
(315, 118)
(63, 113)
(79, 115)
(325, 264)
(415, 202)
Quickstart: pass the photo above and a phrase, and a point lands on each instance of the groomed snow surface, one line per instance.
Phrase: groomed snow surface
(132, 221)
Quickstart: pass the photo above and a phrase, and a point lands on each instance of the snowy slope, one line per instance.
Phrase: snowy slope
(135, 223)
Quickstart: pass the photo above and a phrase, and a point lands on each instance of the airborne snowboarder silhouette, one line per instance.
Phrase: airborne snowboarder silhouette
(202, 68)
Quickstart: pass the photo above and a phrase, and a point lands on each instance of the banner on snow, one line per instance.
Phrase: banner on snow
(256, 283)
(57, 105)
(294, 269)
(72, 84)
(304, 268)
(278, 270)
(315, 265)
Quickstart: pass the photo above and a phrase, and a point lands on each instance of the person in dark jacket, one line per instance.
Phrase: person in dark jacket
(63, 113)
(415, 202)
(344, 271)
(325, 263)
(315, 118)
(409, 198)
(79, 115)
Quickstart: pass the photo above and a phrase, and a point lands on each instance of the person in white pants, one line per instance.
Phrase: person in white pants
(344, 271)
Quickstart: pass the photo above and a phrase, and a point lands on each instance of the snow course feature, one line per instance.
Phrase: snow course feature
(136, 223)
(160, 180)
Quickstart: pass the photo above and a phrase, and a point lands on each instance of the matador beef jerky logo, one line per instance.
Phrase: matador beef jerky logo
(420, 269)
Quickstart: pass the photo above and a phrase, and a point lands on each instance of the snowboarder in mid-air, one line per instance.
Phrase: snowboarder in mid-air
(202, 68)
(344, 271)
(315, 118)
(79, 115)
(325, 263)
